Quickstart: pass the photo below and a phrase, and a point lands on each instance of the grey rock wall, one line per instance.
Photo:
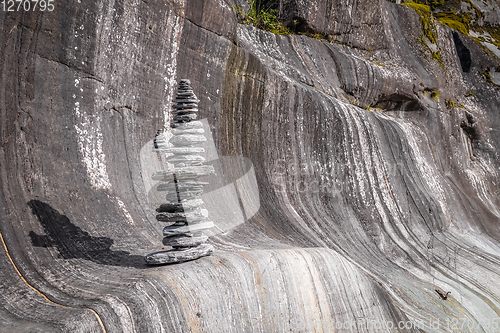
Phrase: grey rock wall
(345, 193)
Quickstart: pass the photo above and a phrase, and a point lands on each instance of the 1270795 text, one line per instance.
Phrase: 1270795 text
(27, 5)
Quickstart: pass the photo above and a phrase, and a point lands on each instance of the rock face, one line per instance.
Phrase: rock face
(183, 188)
(375, 158)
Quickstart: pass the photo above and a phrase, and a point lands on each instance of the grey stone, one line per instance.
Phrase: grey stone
(181, 150)
(186, 100)
(181, 186)
(187, 139)
(191, 204)
(170, 208)
(183, 195)
(187, 172)
(185, 159)
(190, 216)
(185, 240)
(181, 106)
(178, 131)
(185, 118)
(184, 111)
(190, 125)
(178, 256)
(171, 217)
(179, 230)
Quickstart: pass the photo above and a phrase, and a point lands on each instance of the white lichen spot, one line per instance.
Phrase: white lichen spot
(88, 129)
(128, 217)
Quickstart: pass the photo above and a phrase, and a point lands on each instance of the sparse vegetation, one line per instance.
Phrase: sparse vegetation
(452, 14)
(435, 95)
(430, 34)
(488, 78)
(351, 99)
(470, 94)
(266, 18)
(450, 104)
(263, 18)
(459, 22)
(428, 26)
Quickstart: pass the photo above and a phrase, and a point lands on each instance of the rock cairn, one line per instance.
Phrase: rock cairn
(183, 211)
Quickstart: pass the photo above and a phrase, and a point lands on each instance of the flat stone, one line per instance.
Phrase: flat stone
(184, 91)
(171, 217)
(181, 150)
(188, 172)
(185, 205)
(192, 124)
(187, 185)
(180, 106)
(184, 240)
(184, 111)
(192, 216)
(179, 230)
(179, 131)
(173, 196)
(170, 208)
(183, 164)
(189, 205)
(186, 100)
(179, 255)
(187, 139)
(184, 118)
(185, 159)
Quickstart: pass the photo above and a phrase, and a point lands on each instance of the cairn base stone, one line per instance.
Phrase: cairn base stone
(179, 255)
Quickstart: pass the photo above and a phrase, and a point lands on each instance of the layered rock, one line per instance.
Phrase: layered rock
(183, 211)
(363, 214)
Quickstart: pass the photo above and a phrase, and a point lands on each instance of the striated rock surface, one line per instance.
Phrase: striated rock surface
(376, 163)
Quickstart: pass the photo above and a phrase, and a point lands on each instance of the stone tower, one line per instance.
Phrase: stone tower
(187, 220)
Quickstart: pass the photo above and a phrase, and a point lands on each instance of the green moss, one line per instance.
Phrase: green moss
(376, 63)
(493, 31)
(487, 76)
(317, 35)
(450, 104)
(351, 99)
(435, 95)
(428, 26)
(459, 22)
(262, 18)
(469, 94)
(437, 56)
(430, 34)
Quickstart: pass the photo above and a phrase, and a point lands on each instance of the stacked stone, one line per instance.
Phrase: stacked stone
(183, 211)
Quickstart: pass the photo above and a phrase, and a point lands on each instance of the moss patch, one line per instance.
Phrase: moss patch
(428, 26)
(459, 22)
(262, 18)
(435, 95)
(450, 104)
(488, 78)
(430, 33)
